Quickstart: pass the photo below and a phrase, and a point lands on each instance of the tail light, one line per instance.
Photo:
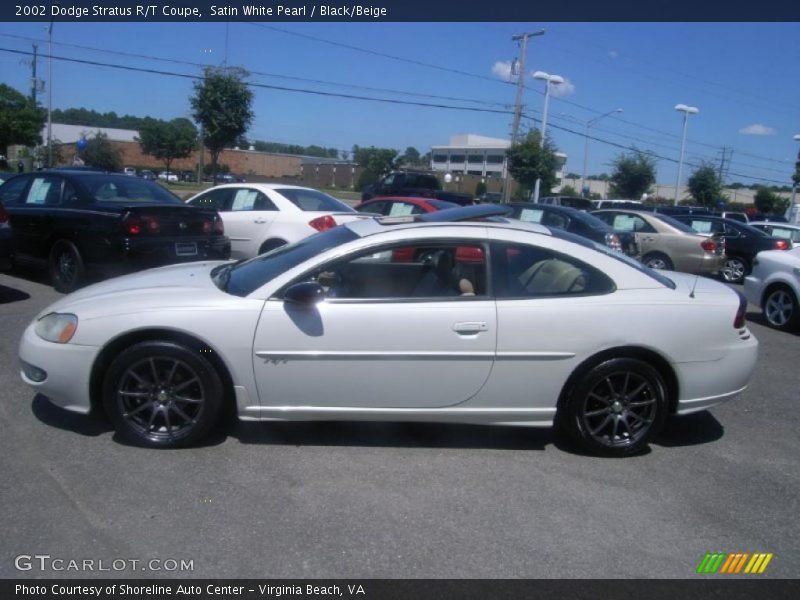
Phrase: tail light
(323, 223)
(135, 225)
(781, 245)
(739, 321)
(612, 241)
(213, 226)
(709, 246)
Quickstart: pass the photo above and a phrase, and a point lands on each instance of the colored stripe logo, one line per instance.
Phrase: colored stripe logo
(734, 564)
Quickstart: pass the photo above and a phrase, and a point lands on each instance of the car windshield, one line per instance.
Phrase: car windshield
(124, 189)
(240, 279)
(577, 239)
(312, 200)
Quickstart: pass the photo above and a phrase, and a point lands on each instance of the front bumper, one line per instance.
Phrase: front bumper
(67, 366)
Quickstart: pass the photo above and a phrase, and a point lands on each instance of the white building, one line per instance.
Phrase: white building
(471, 154)
(70, 134)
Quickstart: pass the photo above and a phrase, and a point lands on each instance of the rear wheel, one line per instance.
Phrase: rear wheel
(67, 271)
(781, 308)
(734, 270)
(656, 260)
(270, 245)
(162, 395)
(616, 407)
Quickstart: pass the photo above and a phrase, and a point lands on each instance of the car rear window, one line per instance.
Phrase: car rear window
(126, 190)
(313, 201)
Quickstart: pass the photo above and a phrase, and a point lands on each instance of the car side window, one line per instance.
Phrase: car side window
(11, 191)
(627, 222)
(249, 199)
(524, 271)
(44, 191)
(417, 271)
(401, 209)
(216, 199)
(378, 208)
(731, 231)
(554, 219)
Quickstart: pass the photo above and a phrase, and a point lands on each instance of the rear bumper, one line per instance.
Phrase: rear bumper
(699, 389)
(138, 254)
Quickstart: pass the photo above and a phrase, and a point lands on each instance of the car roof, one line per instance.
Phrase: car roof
(265, 186)
(411, 199)
(775, 224)
(570, 210)
(445, 218)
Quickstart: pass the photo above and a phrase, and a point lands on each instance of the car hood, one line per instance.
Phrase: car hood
(184, 284)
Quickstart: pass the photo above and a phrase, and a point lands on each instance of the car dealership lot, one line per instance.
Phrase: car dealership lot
(400, 500)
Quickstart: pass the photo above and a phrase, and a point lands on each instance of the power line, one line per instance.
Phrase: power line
(366, 98)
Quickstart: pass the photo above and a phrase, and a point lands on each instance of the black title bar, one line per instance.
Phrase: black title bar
(400, 10)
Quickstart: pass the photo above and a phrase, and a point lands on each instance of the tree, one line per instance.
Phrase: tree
(704, 186)
(21, 121)
(222, 104)
(528, 161)
(167, 140)
(768, 202)
(568, 190)
(410, 157)
(374, 161)
(633, 175)
(480, 188)
(101, 154)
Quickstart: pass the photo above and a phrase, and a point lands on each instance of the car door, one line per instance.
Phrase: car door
(248, 216)
(391, 332)
(647, 238)
(36, 217)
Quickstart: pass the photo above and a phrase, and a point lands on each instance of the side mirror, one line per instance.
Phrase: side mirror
(305, 294)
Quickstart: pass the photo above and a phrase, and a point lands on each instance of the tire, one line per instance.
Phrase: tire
(734, 270)
(67, 271)
(616, 407)
(271, 245)
(657, 260)
(781, 309)
(160, 394)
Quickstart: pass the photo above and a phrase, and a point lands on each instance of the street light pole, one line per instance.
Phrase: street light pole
(796, 138)
(523, 42)
(686, 110)
(589, 124)
(549, 80)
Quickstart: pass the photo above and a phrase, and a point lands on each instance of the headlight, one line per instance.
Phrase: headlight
(58, 328)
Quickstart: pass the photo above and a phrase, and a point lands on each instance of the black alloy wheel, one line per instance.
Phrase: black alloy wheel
(616, 407)
(162, 395)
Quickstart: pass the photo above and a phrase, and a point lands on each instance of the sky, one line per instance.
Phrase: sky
(742, 76)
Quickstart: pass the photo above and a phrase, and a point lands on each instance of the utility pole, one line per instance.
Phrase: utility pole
(726, 158)
(50, 96)
(523, 44)
(34, 82)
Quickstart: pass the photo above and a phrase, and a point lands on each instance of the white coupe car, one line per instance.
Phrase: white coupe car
(774, 285)
(436, 317)
(260, 217)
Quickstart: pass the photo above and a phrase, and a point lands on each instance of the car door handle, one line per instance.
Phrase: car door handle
(470, 327)
(259, 221)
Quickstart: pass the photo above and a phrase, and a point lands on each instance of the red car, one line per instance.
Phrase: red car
(397, 206)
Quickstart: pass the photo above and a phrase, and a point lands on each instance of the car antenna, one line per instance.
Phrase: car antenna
(694, 285)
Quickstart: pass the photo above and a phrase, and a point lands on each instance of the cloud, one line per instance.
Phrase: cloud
(757, 129)
(563, 89)
(502, 69)
(612, 54)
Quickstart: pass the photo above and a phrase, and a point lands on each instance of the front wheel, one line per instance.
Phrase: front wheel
(616, 407)
(161, 394)
(781, 308)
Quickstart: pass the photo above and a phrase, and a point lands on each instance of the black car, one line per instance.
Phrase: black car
(577, 222)
(148, 175)
(742, 242)
(6, 243)
(80, 223)
(676, 211)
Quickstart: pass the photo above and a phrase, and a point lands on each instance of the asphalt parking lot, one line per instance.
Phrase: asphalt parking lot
(400, 500)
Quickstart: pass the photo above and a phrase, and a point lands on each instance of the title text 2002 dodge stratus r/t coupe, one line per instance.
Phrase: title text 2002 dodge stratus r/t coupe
(439, 317)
